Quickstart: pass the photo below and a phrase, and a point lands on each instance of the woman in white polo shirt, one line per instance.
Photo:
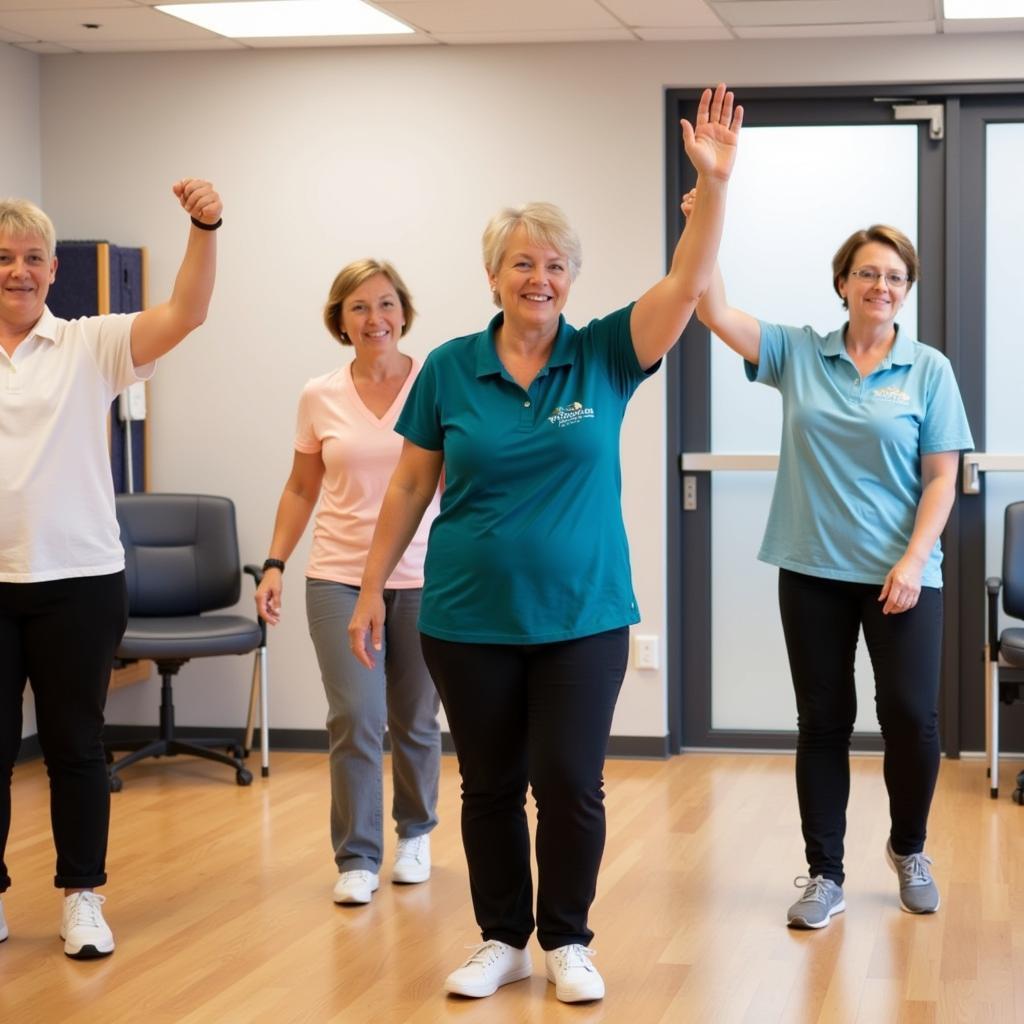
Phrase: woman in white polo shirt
(345, 451)
(873, 426)
(63, 604)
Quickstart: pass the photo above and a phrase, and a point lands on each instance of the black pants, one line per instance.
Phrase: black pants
(537, 715)
(61, 635)
(821, 619)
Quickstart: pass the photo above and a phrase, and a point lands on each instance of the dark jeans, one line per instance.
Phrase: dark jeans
(821, 619)
(61, 635)
(536, 715)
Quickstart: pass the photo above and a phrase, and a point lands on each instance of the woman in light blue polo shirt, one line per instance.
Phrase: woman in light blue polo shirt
(873, 425)
(527, 595)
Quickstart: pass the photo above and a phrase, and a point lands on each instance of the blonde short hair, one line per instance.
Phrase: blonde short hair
(349, 278)
(19, 217)
(842, 262)
(545, 224)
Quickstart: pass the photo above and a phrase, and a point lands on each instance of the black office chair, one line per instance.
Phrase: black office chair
(1004, 652)
(181, 560)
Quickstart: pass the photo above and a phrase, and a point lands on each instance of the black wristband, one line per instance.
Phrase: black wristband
(207, 227)
(273, 563)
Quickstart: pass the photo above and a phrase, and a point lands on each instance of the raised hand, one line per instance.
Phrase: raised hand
(199, 199)
(711, 144)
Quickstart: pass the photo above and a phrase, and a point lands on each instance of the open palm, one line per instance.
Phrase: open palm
(711, 144)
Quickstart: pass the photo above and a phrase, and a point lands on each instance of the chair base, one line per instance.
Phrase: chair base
(142, 749)
(168, 744)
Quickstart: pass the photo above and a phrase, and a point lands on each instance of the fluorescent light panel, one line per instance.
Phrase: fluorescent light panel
(260, 19)
(979, 9)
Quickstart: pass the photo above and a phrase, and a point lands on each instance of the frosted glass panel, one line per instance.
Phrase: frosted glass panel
(1004, 353)
(796, 195)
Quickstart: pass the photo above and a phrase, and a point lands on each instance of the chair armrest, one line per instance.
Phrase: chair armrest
(993, 585)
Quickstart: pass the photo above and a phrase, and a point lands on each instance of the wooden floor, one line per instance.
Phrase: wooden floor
(220, 903)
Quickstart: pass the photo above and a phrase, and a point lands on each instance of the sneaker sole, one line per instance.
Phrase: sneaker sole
(903, 906)
(578, 995)
(87, 952)
(802, 923)
(927, 910)
(411, 877)
(475, 992)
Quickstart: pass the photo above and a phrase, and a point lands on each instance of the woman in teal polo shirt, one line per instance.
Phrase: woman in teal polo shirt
(873, 425)
(527, 596)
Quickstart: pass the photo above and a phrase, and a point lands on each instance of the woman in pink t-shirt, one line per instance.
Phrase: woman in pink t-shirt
(345, 451)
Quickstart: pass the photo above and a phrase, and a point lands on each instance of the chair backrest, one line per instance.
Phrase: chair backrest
(1013, 560)
(181, 553)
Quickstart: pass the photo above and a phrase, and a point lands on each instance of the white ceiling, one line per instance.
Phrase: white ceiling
(94, 26)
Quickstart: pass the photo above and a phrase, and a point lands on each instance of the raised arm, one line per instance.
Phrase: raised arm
(661, 313)
(739, 330)
(156, 330)
(298, 500)
(411, 489)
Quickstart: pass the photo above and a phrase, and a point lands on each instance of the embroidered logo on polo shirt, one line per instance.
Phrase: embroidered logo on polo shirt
(569, 415)
(892, 394)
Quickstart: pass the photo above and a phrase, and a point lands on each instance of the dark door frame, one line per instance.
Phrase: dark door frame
(951, 309)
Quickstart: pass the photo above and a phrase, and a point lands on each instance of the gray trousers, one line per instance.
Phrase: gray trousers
(398, 693)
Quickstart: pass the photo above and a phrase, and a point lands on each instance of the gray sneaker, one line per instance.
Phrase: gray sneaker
(918, 892)
(821, 899)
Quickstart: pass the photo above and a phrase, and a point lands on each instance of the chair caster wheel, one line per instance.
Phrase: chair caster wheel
(1018, 796)
(116, 783)
(243, 777)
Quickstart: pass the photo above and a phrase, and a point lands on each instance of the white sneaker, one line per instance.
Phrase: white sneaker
(85, 933)
(492, 965)
(356, 886)
(3, 923)
(575, 978)
(412, 860)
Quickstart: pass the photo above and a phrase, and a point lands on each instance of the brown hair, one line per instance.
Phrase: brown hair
(885, 235)
(349, 278)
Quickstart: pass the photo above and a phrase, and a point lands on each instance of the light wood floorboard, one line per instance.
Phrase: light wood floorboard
(220, 902)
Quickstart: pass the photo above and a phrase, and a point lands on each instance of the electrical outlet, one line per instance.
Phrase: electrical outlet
(645, 651)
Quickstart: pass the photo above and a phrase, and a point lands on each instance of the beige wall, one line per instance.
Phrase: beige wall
(20, 173)
(326, 155)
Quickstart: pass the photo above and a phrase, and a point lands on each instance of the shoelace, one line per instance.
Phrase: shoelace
(575, 956)
(814, 888)
(486, 953)
(85, 909)
(913, 868)
(411, 849)
(355, 877)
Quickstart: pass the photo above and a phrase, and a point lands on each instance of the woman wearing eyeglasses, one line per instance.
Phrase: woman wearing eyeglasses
(873, 425)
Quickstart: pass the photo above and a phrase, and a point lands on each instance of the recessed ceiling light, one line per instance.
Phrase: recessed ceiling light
(265, 18)
(983, 8)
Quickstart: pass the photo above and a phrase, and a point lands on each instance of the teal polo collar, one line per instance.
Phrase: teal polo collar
(902, 352)
(489, 365)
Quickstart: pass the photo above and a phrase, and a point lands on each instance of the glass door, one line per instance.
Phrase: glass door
(812, 171)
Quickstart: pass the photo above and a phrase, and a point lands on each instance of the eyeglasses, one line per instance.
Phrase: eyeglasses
(893, 278)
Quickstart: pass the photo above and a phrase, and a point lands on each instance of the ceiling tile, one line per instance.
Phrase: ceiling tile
(117, 24)
(683, 35)
(739, 13)
(483, 16)
(30, 6)
(910, 28)
(605, 35)
(212, 42)
(664, 13)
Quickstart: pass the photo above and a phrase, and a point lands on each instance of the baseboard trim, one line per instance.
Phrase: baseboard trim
(633, 747)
